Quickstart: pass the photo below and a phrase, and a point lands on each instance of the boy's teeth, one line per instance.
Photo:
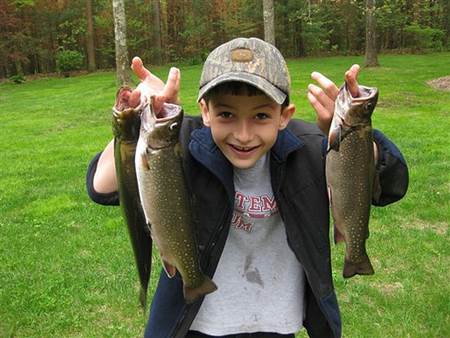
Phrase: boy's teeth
(242, 148)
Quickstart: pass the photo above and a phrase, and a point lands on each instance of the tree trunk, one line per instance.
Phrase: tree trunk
(157, 41)
(90, 37)
(269, 21)
(120, 37)
(371, 40)
(445, 4)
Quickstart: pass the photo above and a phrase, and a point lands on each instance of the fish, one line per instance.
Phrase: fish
(165, 200)
(350, 175)
(126, 126)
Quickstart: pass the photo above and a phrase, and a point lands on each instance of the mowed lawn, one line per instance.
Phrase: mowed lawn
(66, 264)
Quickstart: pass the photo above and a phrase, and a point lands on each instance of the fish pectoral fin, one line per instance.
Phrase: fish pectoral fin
(169, 269)
(178, 150)
(334, 139)
(338, 236)
(144, 159)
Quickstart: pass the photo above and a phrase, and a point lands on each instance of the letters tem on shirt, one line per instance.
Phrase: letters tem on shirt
(250, 207)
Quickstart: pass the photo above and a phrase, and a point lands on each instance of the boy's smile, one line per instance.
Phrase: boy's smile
(244, 127)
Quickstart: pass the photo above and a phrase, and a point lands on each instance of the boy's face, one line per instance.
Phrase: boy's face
(244, 127)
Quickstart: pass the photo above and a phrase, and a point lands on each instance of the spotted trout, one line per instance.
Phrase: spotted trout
(350, 173)
(165, 199)
(126, 126)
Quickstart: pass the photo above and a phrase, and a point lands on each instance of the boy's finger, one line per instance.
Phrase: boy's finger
(172, 86)
(135, 98)
(328, 86)
(324, 100)
(138, 68)
(323, 115)
(351, 77)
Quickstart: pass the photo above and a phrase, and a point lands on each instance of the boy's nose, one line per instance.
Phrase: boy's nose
(243, 133)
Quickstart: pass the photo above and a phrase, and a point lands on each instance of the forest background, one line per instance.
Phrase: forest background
(42, 36)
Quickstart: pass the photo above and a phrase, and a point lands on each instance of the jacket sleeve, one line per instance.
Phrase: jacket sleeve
(104, 199)
(392, 172)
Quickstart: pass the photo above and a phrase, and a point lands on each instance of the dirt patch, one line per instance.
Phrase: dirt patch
(440, 228)
(389, 289)
(442, 83)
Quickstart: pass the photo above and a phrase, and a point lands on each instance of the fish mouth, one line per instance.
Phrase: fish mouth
(366, 94)
(168, 112)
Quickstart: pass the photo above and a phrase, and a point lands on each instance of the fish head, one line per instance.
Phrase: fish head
(161, 129)
(126, 120)
(351, 112)
(359, 110)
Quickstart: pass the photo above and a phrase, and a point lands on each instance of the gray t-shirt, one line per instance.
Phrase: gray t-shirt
(260, 281)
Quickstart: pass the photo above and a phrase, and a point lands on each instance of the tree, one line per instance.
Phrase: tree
(269, 21)
(90, 48)
(120, 37)
(371, 41)
(157, 39)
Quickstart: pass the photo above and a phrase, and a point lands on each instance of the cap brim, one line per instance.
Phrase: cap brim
(262, 84)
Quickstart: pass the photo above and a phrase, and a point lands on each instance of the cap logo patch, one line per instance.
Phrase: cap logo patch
(241, 55)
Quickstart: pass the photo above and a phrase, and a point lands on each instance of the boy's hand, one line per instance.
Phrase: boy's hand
(322, 97)
(151, 85)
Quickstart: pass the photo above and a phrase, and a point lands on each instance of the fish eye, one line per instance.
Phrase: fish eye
(369, 105)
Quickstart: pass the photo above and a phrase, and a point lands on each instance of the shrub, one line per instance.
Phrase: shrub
(18, 78)
(68, 60)
(421, 38)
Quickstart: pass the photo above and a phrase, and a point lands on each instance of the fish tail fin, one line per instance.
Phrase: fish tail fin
(192, 294)
(143, 299)
(364, 267)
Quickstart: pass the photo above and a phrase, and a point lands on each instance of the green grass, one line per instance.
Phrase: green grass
(66, 265)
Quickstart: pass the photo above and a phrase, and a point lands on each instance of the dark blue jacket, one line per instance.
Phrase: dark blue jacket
(298, 180)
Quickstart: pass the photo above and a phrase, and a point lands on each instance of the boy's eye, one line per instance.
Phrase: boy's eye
(225, 114)
(262, 116)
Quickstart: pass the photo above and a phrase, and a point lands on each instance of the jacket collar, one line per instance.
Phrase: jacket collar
(205, 151)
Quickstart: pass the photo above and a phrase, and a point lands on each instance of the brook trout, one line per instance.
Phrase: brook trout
(350, 172)
(165, 199)
(126, 125)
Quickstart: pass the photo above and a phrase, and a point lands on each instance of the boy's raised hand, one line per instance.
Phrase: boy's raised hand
(151, 85)
(322, 97)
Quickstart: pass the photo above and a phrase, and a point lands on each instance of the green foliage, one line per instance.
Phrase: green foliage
(68, 60)
(69, 33)
(66, 264)
(315, 38)
(422, 38)
(32, 30)
(18, 78)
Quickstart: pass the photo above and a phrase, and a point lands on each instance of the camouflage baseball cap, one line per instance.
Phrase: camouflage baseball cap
(253, 61)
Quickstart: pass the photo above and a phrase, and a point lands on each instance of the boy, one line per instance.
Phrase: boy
(259, 196)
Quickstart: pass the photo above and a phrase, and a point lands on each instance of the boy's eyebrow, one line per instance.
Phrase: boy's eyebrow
(263, 106)
(224, 105)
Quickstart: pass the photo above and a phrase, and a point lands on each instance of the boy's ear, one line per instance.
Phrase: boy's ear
(205, 112)
(286, 116)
